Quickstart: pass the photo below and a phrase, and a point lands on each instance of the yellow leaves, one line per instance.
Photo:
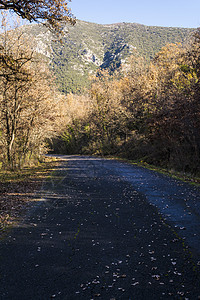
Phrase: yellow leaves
(184, 78)
(29, 111)
(124, 84)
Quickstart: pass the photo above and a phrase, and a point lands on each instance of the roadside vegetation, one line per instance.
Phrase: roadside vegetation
(149, 113)
(31, 110)
(18, 190)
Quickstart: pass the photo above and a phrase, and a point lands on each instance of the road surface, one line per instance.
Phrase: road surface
(103, 229)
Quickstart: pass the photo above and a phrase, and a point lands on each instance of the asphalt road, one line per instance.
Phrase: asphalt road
(103, 229)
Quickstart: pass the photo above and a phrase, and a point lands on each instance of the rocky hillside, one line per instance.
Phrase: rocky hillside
(88, 46)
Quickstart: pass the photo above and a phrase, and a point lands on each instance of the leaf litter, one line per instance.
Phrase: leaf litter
(17, 191)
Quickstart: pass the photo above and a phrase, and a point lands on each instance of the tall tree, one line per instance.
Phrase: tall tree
(52, 12)
(28, 101)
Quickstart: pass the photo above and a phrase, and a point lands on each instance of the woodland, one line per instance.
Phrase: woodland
(89, 46)
(147, 111)
(30, 105)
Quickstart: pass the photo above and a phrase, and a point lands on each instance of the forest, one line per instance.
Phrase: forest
(147, 112)
(89, 46)
(30, 105)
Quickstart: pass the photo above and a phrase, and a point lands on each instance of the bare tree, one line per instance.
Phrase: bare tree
(28, 100)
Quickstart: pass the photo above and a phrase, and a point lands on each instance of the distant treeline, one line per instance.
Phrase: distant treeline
(88, 46)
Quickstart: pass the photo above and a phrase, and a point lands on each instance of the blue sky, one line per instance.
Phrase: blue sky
(170, 13)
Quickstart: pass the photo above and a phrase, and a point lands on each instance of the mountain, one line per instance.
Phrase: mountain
(88, 46)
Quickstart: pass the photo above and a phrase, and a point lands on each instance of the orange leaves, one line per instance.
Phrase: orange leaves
(28, 101)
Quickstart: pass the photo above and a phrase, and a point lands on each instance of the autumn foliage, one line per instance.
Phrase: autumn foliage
(149, 112)
(30, 106)
(52, 13)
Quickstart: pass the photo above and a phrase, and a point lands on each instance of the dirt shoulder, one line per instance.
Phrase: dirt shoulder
(17, 190)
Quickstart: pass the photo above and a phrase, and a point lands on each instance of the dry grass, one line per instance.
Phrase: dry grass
(17, 189)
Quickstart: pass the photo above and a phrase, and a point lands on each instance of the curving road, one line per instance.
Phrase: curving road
(103, 229)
